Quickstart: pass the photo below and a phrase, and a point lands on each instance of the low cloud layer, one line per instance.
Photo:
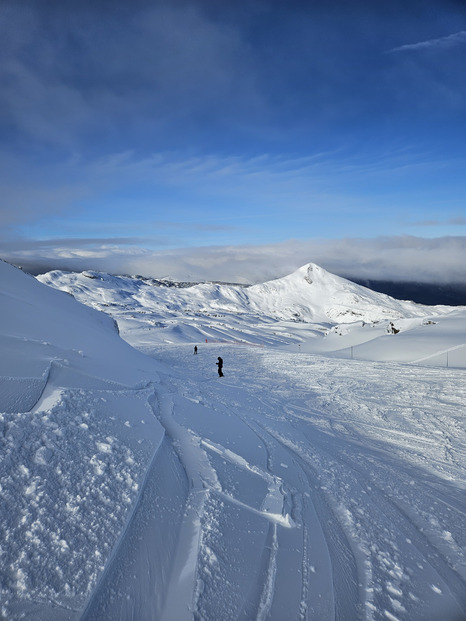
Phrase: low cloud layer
(403, 258)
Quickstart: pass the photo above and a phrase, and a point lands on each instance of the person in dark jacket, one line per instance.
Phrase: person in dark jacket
(220, 366)
(195, 349)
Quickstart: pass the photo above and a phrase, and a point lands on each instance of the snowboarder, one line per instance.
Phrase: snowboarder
(195, 349)
(220, 366)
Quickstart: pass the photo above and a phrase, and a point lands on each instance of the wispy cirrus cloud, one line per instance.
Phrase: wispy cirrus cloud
(176, 200)
(457, 38)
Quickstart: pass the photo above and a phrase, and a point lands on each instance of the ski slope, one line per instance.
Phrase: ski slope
(324, 477)
(318, 490)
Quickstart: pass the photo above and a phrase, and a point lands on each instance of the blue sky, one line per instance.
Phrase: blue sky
(234, 140)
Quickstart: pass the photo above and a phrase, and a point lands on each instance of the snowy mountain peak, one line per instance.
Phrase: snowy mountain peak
(312, 273)
(309, 295)
(312, 294)
(310, 269)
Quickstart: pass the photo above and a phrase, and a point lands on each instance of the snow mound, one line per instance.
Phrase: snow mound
(77, 432)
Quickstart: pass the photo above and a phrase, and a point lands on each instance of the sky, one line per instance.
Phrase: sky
(234, 141)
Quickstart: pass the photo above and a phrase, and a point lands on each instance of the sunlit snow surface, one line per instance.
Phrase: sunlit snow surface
(324, 477)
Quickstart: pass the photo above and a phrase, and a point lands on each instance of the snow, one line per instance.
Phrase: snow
(324, 477)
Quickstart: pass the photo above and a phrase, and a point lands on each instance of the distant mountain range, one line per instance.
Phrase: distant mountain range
(429, 293)
(311, 308)
(310, 295)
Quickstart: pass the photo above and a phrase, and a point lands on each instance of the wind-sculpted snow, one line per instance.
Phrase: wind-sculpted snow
(77, 433)
(323, 477)
(69, 478)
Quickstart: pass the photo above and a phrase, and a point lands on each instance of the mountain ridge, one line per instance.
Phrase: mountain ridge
(310, 295)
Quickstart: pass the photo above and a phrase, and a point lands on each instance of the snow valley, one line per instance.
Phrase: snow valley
(324, 477)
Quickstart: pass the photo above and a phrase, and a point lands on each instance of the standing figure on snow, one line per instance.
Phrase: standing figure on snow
(220, 366)
(195, 349)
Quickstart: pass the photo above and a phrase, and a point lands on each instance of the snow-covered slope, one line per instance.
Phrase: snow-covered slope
(51, 326)
(77, 436)
(298, 486)
(314, 295)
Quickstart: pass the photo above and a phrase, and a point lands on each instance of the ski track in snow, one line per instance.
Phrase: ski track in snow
(307, 488)
(318, 489)
(372, 480)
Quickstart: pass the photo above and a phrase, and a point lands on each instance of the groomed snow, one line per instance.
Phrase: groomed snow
(323, 477)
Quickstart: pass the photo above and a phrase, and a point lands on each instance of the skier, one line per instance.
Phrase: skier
(220, 366)
(195, 349)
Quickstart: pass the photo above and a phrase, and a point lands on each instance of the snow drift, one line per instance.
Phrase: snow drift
(78, 433)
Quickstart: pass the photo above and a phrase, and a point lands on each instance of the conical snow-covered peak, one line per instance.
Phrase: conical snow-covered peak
(297, 283)
(313, 294)
(310, 274)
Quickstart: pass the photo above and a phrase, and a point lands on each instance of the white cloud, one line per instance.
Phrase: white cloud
(393, 258)
(458, 38)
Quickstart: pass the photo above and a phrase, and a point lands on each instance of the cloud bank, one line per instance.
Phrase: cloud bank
(403, 258)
